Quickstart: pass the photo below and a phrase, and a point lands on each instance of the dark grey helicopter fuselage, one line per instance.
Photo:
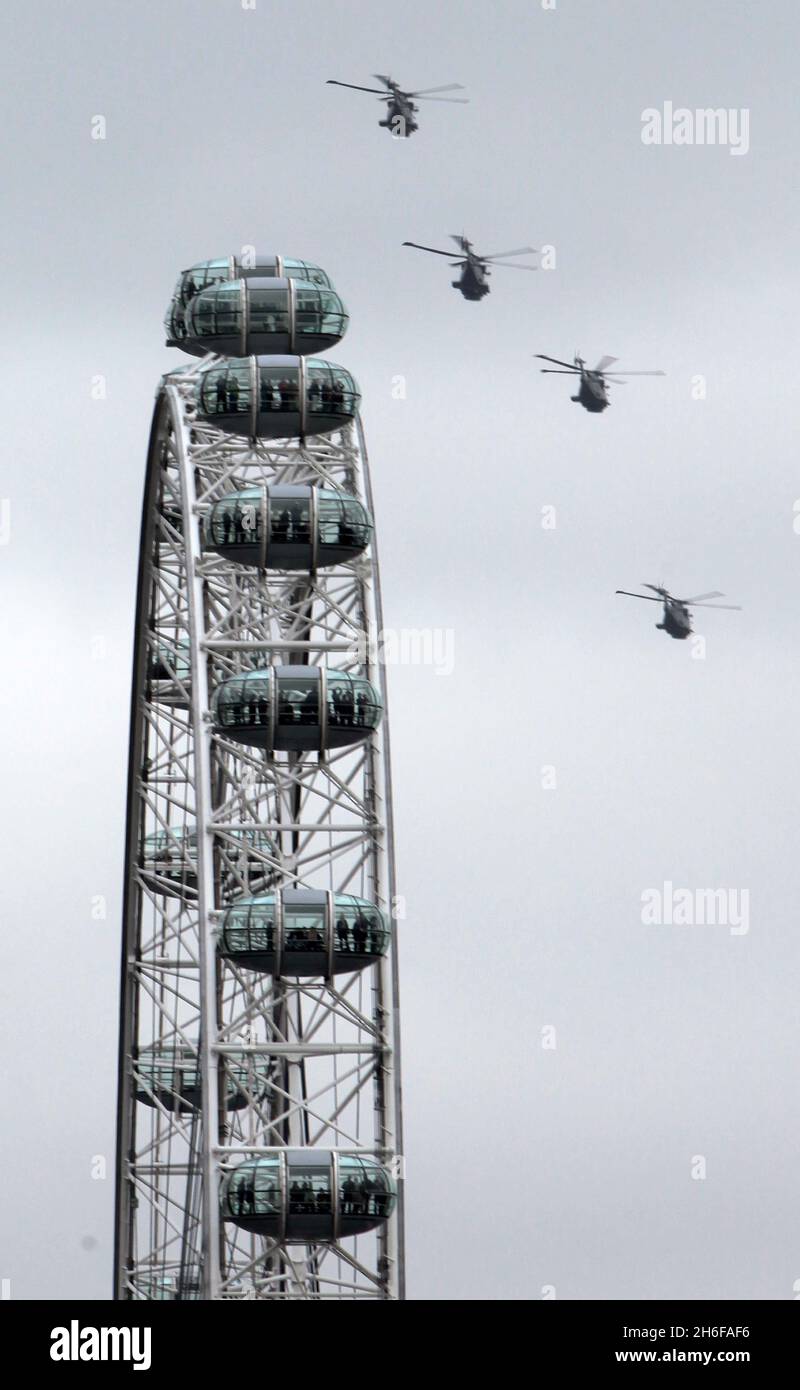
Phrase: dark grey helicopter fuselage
(676, 620)
(592, 392)
(400, 113)
(472, 281)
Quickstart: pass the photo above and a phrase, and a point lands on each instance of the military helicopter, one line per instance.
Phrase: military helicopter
(474, 268)
(676, 619)
(593, 385)
(400, 109)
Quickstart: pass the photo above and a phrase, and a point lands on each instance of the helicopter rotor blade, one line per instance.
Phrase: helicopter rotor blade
(333, 82)
(698, 598)
(432, 249)
(628, 593)
(603, 363)
(501, 255)
(544, 358)
(429, 91)
(555, 371)
(643, 374)
(509, 265)
(658, 589)
(732, 607)
(615, 380)
(462, 101)
(387, 81)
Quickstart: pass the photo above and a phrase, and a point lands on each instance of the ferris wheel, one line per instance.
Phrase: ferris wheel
(259, 1144)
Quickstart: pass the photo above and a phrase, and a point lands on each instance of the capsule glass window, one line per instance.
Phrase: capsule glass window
(290, 520)
(279, 389)
(331, 390)
(298, 701)
(304, 927)
(343, 521)
(243, 701)
(352, 703)
(254, 1189)
(218, 315)
(226, 391)
(359, 929)
(304, 270)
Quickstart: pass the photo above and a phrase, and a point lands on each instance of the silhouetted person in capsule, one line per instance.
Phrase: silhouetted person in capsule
(308, 709)
(233, 395)
(246, 1194)
(338, 397)
(341, 934)
(326, 397)
(347, 535)
(348, 1196)
(360, 930)
(348, 706)
(296, 1197)
(314, 396)
(280, 526)
(335, 707)
(221, 397)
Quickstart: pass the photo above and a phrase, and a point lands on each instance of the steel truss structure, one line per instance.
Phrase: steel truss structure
(217, 1063)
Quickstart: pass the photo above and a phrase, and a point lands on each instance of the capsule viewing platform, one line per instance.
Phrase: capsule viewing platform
(304, 932)
(296, 708)
(308, 1195)
(264, 316)
(287, 527)
(171, 1075)
(276, 397)
(204, 274)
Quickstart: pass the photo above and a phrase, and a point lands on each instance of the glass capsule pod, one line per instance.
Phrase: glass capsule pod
(308, 1195)
(206, 273)
(171, 1075)
(276, 397)
(169, 669)
(264, 316)
(288, 527)
(169, 859)
(299, 931)
(296, 708)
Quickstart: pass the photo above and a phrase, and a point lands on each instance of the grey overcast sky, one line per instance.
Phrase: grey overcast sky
(528, 1167)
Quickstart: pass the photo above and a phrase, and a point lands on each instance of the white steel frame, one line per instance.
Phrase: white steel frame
(311, 1062)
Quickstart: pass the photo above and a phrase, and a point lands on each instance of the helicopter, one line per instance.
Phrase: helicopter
(474, 268)
(400, 109)
(676, 619)
(593, 384)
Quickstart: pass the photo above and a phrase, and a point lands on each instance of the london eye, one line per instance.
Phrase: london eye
(259, 1143)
